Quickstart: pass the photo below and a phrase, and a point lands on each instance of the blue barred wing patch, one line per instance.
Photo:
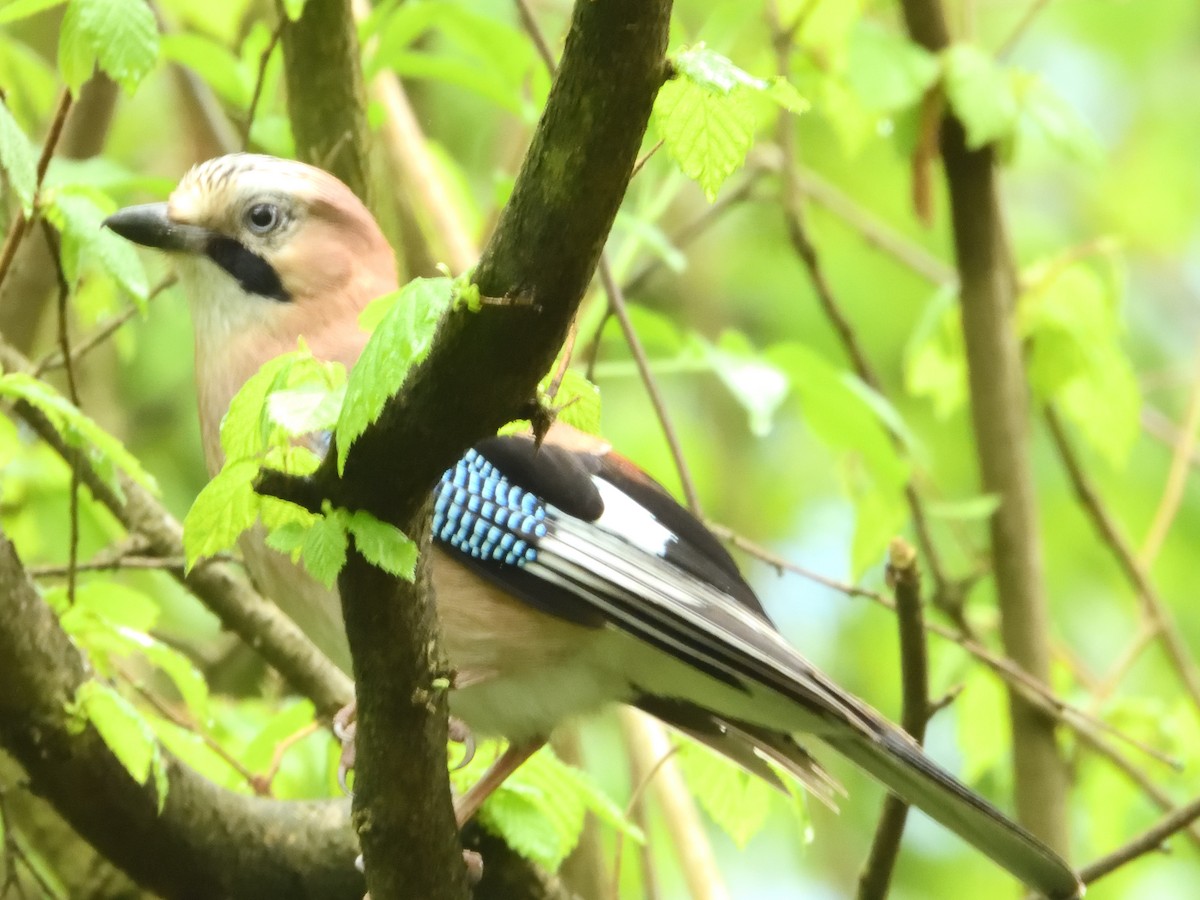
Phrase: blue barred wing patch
(481, 513)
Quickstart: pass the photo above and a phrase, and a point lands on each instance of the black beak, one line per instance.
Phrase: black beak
(150, 226)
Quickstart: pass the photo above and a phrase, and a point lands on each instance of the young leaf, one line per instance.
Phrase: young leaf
(384, 546)
(707, 134)
(76, 427)
(120, 35)
(577, 401)
(737, 801)
(77, 213)
(886, 70)
(759, 387)
(120, 725)
(981, 94)
(17, 159)
(227, 506)
(400, 341)
(323, 551)
(706, 116)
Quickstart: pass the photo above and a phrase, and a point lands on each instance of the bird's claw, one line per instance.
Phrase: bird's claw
(344, 729)
(460, 733)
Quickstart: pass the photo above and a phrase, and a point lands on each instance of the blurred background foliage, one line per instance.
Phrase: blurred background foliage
(1087, 100)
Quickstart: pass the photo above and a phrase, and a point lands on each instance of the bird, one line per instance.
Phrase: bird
(566, 579)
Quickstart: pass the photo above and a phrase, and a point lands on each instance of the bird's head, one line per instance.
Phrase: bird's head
(268, 251)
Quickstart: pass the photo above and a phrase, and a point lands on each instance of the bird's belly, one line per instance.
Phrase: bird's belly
(519, 671)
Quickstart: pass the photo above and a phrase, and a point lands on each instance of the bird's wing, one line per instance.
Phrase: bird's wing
(589, 538)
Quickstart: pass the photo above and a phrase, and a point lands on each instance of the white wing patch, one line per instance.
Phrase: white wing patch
(626, 518)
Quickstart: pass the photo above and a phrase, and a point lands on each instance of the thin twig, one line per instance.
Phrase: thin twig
(64, 346)
(636, 809)
(54, 359)
(142, 563)
(1033, 690)
(262, 783)
(1018, 32)
(1153, 607)
(22, 222)
(945, 594)
(1160, 427)
(1148, 842)
(185, 722)
(1168, 505)
(263, 60)
(905, 579)
(529, 23)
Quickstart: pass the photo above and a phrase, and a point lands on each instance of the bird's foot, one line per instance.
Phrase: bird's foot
(344, 729)
(460, 733)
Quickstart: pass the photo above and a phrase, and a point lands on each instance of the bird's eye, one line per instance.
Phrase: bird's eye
(263, 217)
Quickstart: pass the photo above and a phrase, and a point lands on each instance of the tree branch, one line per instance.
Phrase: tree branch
(326, 99)
(905, 578)
(207, 841)
(1000, 422)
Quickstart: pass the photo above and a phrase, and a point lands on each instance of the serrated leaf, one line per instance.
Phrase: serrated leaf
(707, 134)
(77, 429)
(980, 93)
(246, 428)
(121, 36)
(17, 159)
(710, 70)
(15, 10)
(78, 212)
(115, 603)
(737, 801)
(540, 810)
(226, 507)
(120, 725)
(383, 545)
(323, 551)
(400, 340)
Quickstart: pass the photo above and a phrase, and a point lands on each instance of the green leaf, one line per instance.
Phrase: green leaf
(323, 551)
(77, 212)
(17, 159)
(188, 680)
(874, 473)
(707, 134)
(400, 340)
(120, 35)
(1054, 119)
(226, 507)
(888, 71)
(382, 545)
(715, 73)
(1073, 328)
(120, 725)
(935, 363)
(77, 429)
(306, 409)
(973, 509)
(737, 801)
(540, 810)
(980, 93)
(759, 387)
(577, 401)
(215, 63)
(15, 10)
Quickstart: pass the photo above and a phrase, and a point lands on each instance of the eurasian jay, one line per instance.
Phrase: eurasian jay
(565, 577)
